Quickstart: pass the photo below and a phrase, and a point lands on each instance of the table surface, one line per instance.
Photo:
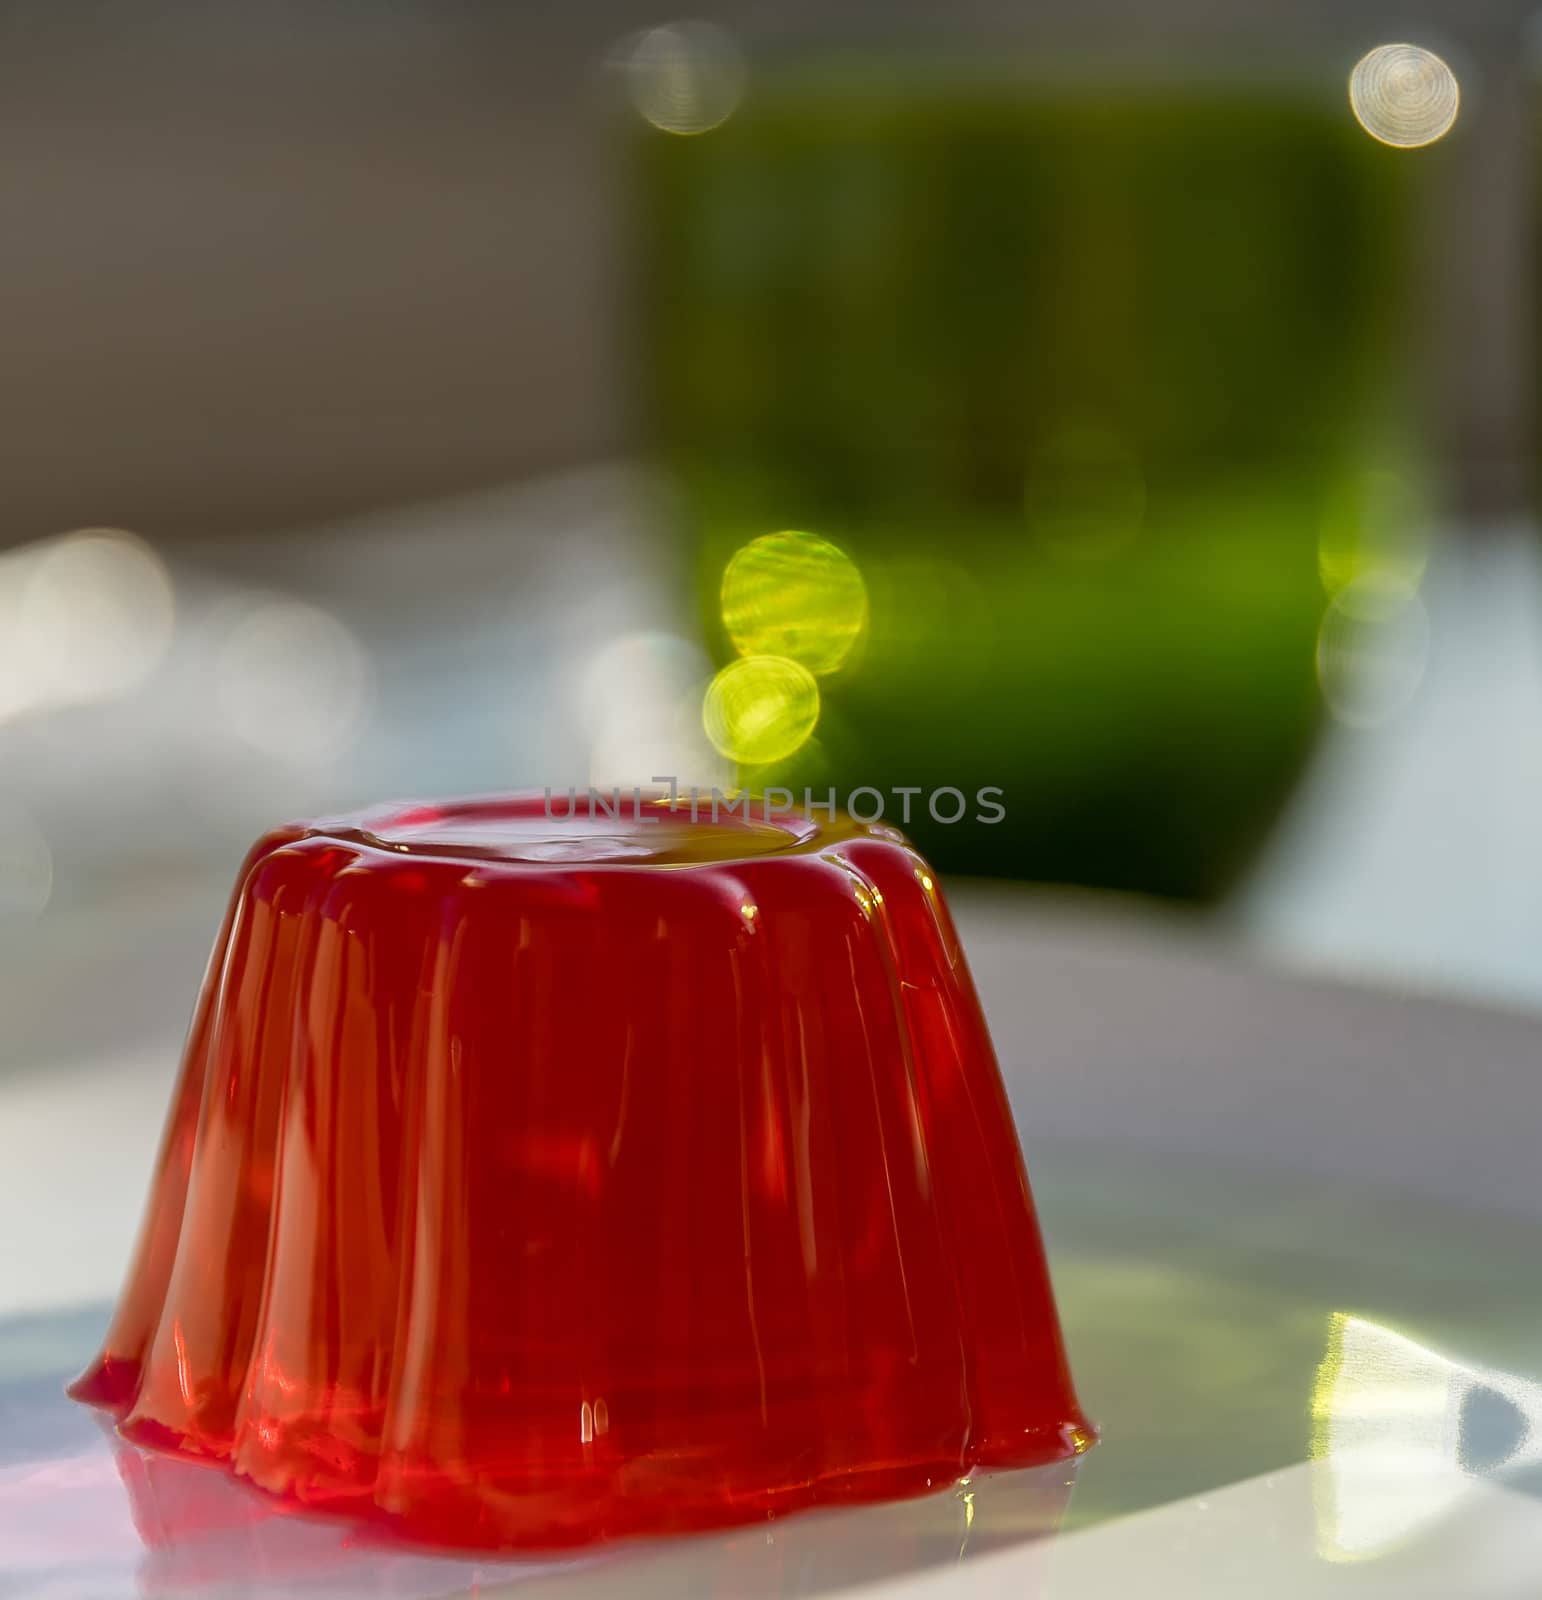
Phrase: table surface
(1256, 1188)
(1250, 1180)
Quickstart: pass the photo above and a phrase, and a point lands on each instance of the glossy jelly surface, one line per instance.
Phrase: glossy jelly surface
(537, 1180)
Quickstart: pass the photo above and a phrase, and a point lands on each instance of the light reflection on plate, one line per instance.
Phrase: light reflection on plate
(84, 1513)
(1205, 1311)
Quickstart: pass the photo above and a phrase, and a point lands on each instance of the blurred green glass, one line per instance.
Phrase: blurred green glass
(1082, 378)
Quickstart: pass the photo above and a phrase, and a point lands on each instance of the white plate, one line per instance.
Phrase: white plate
(1259, 1192)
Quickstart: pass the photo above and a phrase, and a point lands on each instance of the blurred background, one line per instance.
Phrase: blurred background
(1126, 406)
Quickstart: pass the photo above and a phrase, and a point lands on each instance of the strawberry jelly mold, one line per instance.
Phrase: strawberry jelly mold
(533, 1181)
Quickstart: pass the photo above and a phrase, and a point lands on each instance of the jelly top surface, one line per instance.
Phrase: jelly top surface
(575, 830)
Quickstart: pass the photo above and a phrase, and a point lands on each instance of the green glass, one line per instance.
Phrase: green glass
(1078, 377)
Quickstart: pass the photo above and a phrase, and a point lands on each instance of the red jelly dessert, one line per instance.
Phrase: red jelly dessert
(535, 1180)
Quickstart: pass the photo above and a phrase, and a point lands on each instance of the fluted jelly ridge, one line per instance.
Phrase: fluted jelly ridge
(532, 1181)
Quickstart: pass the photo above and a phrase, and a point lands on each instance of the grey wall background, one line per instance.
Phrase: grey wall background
(264, 261)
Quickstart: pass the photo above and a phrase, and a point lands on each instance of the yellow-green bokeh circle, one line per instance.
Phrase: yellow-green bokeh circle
(795, 595)
(760, 708)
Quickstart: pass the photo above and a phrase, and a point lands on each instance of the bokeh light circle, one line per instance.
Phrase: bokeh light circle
(685, 77)
(639, 677)
(796, 595)
(760, 709)
(97, 615)
(639, 700)
(1372, 651)
(1404, 95)
(1374, 526)
(293, 681)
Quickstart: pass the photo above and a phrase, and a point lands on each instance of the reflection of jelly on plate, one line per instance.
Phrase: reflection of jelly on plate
(535, 1181)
